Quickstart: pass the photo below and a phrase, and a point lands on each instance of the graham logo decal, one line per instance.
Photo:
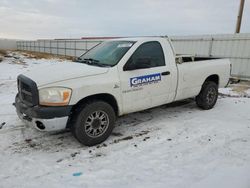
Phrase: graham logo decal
(144, 80)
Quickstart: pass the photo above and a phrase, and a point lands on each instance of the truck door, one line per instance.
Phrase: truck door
(145, 78)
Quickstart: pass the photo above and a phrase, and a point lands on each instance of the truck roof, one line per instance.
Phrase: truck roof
(138, 38)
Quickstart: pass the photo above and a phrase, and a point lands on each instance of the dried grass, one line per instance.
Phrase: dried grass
(3, 52)
(240, 88)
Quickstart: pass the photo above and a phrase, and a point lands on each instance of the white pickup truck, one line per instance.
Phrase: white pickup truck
(114, 78)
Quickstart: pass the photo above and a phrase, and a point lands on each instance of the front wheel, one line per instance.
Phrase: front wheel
(207, 96)
(94, 123)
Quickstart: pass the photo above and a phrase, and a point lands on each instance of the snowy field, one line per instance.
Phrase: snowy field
(172, 146)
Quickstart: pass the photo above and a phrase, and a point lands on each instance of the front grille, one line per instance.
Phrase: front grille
(27, 90)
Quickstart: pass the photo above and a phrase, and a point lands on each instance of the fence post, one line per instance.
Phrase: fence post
(75, 48)
(57, 48)
(210, 47)
(39, 49)
(65, 48)
(50, 47)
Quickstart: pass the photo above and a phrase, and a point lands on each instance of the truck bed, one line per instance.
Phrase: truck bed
(180, 58)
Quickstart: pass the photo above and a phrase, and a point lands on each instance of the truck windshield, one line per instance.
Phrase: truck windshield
(106, 54)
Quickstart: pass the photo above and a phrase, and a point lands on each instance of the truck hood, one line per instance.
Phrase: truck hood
(63, 71)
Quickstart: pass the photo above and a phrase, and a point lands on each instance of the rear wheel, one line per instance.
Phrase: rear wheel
(94, 123)
(208, 95)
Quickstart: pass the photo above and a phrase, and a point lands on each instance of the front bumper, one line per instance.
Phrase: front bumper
(42, 117)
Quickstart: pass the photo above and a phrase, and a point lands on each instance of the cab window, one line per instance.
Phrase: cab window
(147, 55)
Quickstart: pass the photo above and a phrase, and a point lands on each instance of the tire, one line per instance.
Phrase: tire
(93, 123)
(208, 95)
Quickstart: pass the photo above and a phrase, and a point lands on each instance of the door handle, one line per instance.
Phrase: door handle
(165, 73)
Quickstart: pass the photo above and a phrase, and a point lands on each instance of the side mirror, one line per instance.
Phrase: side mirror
(128, 67)
(141, 63)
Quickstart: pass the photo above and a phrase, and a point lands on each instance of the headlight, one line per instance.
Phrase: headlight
(54, 96)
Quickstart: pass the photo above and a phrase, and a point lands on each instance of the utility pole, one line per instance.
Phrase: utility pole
(239, 18)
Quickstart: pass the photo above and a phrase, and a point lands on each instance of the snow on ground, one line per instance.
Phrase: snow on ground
(176, 145)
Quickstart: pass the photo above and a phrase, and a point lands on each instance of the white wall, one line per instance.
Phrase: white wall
(236, 47)
(8, 44)
(58, 47)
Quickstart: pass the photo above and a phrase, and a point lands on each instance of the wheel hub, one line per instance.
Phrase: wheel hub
(211, 95)
(96, 124)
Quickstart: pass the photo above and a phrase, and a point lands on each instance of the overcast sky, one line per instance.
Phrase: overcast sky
(33, 19)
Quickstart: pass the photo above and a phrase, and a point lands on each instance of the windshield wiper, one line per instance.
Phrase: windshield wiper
(91, 61)
(88, 61)
(99, 64)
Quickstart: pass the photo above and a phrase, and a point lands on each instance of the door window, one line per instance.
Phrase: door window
(147, 55)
